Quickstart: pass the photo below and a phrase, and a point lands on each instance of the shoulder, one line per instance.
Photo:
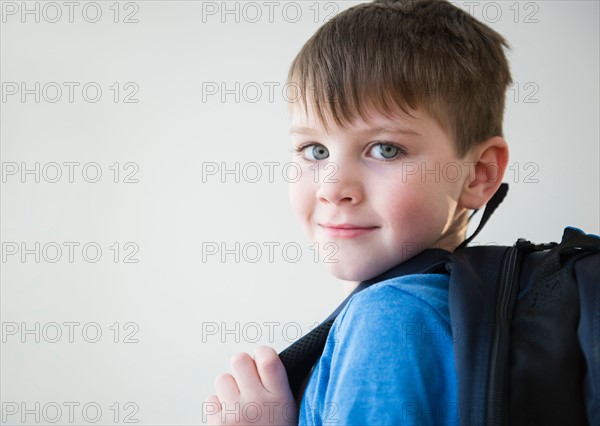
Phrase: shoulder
(410, 296)
(392, 347)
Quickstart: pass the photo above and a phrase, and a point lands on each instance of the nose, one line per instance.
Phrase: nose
(339, 185)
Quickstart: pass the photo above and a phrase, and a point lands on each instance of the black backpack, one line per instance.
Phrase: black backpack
(526, 328)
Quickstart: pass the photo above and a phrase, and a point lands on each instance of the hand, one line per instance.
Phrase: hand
(258, 392)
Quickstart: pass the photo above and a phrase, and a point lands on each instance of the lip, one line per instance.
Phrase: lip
(346, 230)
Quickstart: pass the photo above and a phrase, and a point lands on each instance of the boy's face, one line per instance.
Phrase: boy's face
(398, 188)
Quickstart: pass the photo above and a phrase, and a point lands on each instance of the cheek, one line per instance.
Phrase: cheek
(406, 210)
(302, 197)
(415, 213)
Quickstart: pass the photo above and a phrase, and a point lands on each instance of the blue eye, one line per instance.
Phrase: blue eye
(314, 152)
(386, 151)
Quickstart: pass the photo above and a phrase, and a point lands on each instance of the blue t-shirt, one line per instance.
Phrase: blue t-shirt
(388, 359)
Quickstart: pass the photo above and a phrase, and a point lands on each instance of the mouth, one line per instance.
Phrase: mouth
(346, 230)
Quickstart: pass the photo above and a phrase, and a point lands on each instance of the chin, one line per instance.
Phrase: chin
(351, 273)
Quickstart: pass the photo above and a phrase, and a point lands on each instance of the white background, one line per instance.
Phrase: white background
(171, 297)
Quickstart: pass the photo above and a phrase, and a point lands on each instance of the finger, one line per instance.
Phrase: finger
(271, 371)
(246, 375)
(211, 406)
(227, 388)
(213, 399)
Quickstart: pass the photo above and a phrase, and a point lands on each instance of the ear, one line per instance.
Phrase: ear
(488, 161)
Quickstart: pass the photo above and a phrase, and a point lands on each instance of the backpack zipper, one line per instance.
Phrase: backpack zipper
(497, 410)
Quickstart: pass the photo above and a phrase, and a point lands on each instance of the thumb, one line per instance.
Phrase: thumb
(272, 372)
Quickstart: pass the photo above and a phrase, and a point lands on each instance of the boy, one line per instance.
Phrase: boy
(402, 117)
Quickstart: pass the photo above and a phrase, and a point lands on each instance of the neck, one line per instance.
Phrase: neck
(349, 286)
(456, 233)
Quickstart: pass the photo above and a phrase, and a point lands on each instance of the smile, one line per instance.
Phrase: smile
(346, 230)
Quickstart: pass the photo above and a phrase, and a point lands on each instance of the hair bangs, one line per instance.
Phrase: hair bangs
(390, 56)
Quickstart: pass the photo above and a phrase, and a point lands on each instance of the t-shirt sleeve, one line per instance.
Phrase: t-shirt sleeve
(388, 360)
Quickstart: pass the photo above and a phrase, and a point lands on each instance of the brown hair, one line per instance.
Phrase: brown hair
(388, 54)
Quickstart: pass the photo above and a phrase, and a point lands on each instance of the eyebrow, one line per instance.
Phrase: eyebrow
(370, 131)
